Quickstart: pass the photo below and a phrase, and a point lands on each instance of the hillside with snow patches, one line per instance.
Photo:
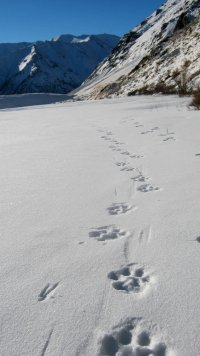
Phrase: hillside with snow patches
(55, 66)
(153, 55)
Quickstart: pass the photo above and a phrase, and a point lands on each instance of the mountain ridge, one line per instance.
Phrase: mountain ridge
(162, 43)
(57, 66)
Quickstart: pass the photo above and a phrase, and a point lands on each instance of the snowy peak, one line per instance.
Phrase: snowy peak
(72, 39)
(174, 25)
(109, 40)
(55, 66)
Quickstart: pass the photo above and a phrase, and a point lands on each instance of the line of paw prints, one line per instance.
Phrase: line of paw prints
(108, 136)
(139, 178)
(127, 339)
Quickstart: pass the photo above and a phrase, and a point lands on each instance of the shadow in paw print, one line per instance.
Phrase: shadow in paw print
(109, 346)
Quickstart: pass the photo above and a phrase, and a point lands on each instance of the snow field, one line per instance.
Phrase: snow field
(100, 229)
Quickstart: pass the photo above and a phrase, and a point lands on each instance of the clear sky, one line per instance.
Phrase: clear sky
(30, 20)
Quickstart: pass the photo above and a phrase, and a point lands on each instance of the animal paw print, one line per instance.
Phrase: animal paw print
(130, 338)
(115, 148)
(138, 124)
(129, 278)
(150, 131)
(140, 178)
(171, 138)
(106, 138)
(127, 168)
(120, 164)
(136, 156)
(146, 132)
(110, 232)
(147, 188)
(119, 208)
(126, 153)
(117, 142)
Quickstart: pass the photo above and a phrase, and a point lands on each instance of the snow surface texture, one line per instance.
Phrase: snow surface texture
(152, 53)
(91, 264)
(55, 66)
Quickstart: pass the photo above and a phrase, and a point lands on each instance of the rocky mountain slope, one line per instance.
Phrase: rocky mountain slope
(55, 66)
(162, 54)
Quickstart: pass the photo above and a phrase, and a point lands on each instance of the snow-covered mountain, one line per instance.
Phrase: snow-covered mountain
(160, 54)
(55, 66)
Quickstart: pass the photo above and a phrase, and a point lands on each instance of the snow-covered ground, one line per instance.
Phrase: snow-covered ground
(100, 229)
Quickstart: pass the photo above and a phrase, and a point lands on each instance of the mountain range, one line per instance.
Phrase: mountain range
(55, 66)
(161, 54)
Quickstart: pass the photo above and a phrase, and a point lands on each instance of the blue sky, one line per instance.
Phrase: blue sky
(30, 20)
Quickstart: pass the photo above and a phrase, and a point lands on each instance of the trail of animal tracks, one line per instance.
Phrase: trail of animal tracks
(100, 229)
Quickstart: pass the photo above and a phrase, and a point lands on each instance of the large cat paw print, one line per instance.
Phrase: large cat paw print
(131, 338)
(129, 278)
(110, 232)
(120, 208)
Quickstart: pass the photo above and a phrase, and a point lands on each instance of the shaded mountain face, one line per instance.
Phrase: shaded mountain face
(55, 66)
(158, 55)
